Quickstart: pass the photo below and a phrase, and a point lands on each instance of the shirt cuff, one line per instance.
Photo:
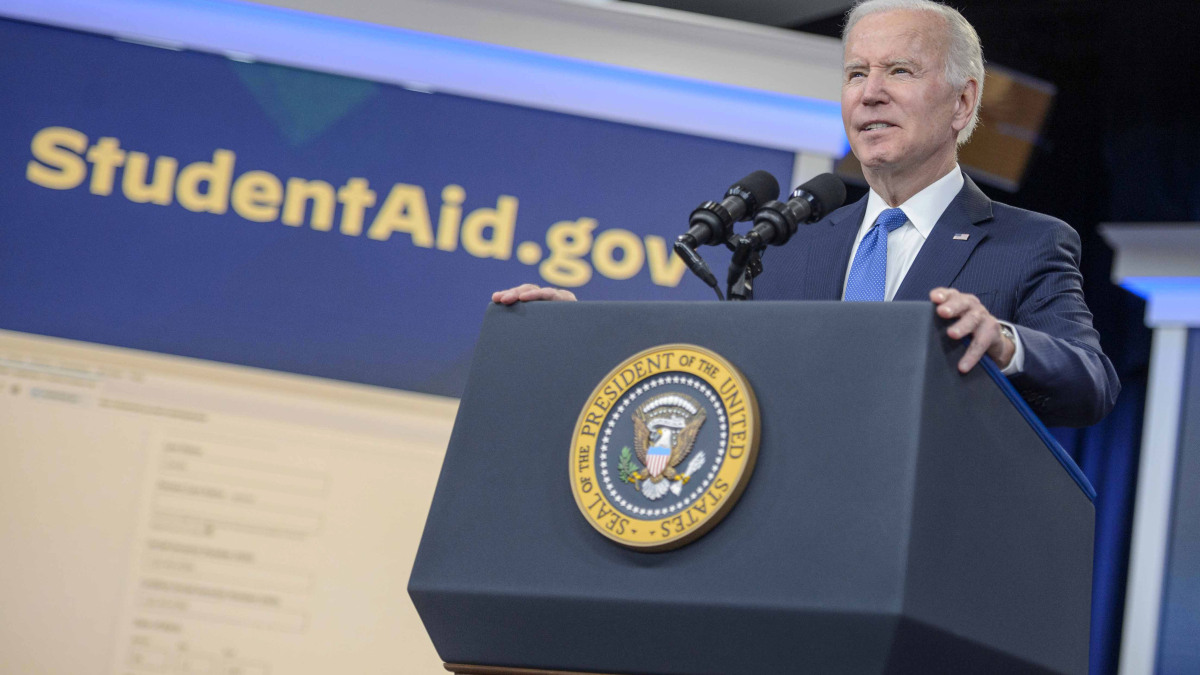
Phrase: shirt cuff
(1017, 363)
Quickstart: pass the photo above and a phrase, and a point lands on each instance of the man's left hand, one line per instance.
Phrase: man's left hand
(976, 321)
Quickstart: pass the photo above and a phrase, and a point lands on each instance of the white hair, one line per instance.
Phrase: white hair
(964, 53)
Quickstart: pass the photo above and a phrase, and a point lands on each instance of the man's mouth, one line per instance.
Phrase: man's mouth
(876, 125)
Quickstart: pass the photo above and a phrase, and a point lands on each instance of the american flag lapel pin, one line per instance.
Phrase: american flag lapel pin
(962, 236)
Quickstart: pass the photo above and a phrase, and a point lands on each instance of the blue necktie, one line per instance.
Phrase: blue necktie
(868, 274)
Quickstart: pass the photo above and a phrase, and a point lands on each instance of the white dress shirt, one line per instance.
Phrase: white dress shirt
(904, 243)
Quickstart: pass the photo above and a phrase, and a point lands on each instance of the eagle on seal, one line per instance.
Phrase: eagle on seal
(664, 431)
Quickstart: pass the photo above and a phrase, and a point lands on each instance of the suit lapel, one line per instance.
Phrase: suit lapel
(829, 253)
(943, 256)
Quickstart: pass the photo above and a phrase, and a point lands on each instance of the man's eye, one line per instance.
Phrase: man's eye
(901, 71)
(854, 75)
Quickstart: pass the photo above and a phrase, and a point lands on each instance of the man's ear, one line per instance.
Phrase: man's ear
(965, 105)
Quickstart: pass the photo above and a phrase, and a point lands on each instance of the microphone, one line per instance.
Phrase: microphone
(776, 222)
(711, 222)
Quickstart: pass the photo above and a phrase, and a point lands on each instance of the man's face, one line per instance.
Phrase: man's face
(899, 112)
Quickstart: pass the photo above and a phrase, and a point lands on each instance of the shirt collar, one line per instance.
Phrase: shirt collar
(924, 208)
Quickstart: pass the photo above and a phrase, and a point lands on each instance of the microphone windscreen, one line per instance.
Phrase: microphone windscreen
(760, 186)
(827, 190)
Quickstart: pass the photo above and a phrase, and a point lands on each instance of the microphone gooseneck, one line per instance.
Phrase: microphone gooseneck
(776, 222)
(711, 222)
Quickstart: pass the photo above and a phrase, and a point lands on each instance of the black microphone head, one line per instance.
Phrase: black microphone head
(712, 223)
(755, 189)
(825, 192)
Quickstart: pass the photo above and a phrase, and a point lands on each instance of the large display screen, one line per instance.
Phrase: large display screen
(190, 204)
(216, 279)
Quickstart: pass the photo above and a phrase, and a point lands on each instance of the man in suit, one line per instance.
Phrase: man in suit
(1008, 279)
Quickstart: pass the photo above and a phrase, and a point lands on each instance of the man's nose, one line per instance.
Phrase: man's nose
(875, 89)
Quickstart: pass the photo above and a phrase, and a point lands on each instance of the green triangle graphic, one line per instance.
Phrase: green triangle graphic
(302, 103)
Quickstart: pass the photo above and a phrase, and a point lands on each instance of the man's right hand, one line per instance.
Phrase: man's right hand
(530, 293)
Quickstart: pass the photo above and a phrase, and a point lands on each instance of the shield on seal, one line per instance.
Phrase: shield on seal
(657, 457)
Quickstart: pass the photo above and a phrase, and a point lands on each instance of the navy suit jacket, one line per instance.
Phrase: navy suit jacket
(1023, 266)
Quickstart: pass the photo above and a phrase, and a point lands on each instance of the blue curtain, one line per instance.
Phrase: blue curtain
(1108, 453)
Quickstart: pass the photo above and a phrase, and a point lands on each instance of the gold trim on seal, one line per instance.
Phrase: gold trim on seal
(663, 533)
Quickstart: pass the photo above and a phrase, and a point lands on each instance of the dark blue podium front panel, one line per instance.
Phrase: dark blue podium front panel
(901, 517)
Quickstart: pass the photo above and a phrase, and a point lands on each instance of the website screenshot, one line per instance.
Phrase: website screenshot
(168, 515)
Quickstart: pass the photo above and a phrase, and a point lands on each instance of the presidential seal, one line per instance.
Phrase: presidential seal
(664, 447)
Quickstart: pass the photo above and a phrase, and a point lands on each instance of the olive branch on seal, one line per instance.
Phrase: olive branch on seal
(626, 466)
